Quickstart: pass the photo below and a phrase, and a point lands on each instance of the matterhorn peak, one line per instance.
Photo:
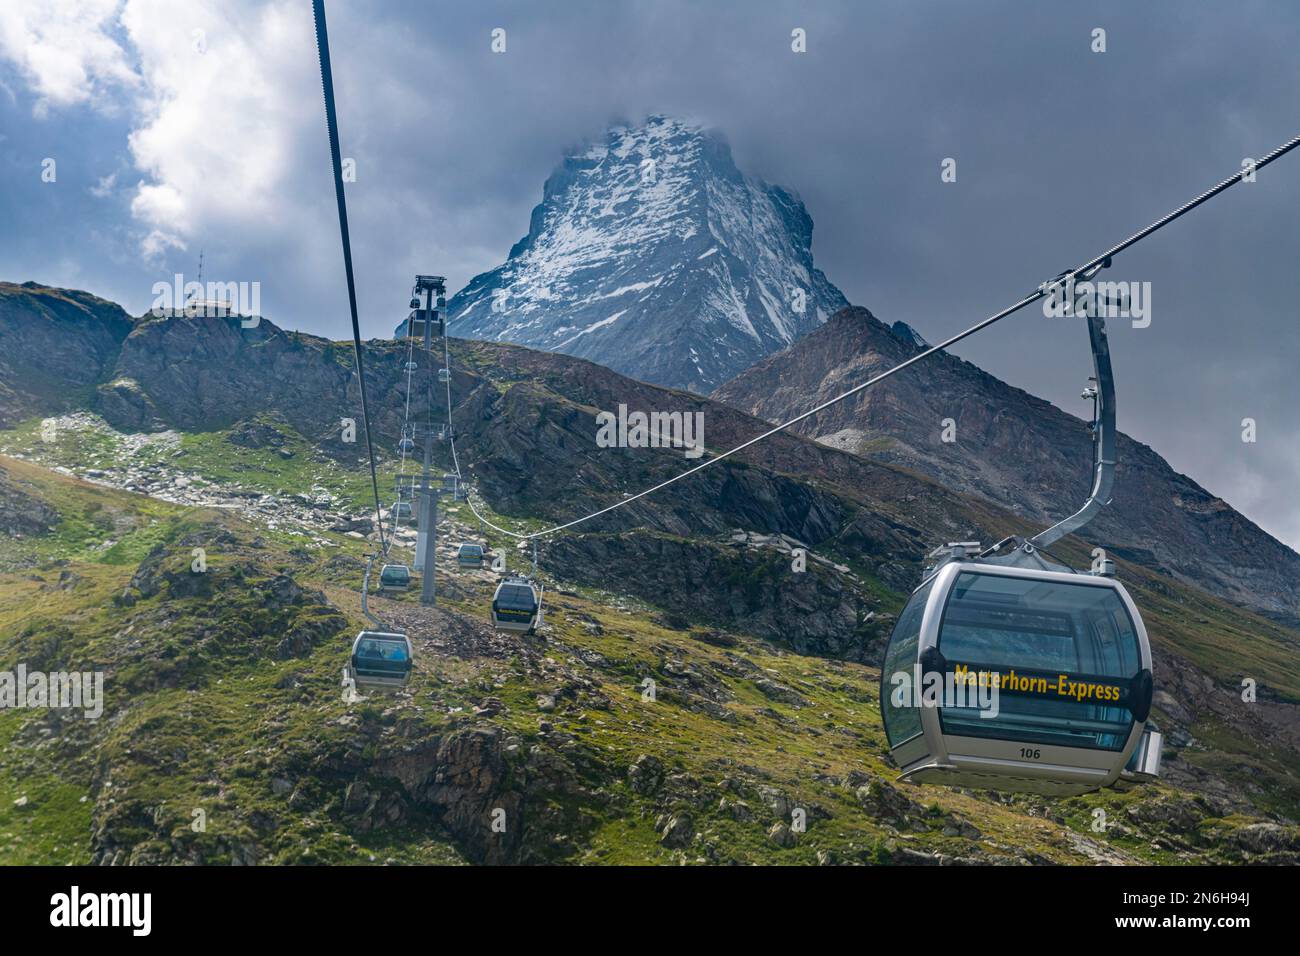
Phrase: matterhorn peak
(651, 253)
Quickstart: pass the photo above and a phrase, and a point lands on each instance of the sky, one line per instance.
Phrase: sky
(180, 126)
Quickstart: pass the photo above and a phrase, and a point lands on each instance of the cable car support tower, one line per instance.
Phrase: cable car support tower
(428, 300)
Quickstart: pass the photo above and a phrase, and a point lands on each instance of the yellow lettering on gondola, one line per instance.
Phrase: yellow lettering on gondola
(1023, 684)
(1063, 686)
(962, 674)
(1085, 690)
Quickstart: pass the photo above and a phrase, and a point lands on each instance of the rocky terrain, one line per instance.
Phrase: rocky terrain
(652, 254)
(38, 372)
(147, 464)
(690, 698)
(1016, 451)
(620, 733)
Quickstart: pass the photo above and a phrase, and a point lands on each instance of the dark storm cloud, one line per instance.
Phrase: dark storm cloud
(1060, 153)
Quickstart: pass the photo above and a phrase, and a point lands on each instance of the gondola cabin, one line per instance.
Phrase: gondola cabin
(380, 660)
(1017, 673)
(394, 577)
(469, 556)
(415, 323)
(516, 606)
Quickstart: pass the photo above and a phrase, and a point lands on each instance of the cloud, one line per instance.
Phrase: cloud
(217, 106)
(65, 50)
(221, 114)
(214, 92)
(104, 187)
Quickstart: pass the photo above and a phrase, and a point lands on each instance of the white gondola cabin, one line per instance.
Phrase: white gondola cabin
(1038, 677)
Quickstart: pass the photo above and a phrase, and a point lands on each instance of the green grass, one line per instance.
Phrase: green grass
(205, 714)
(95, 447)
(53, 825)
(212, 455)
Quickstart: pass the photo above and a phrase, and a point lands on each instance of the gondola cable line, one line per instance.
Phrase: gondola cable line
(1042, 291)
(995, 763)
(331, 121)
(451, 432)
(380, 659)
(1082, 724)
(406, 412)
(517, 605)
(397, 577)
(405, 443)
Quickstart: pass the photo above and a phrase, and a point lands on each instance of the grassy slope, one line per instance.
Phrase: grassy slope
(204, 453)
(203, 715)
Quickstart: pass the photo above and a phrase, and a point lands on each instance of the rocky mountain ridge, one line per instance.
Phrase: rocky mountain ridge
(653, 255)
(1014, 450)
(226, 686)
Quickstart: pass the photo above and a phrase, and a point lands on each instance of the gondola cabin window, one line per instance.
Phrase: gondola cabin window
(903, 721)
(1070, 648)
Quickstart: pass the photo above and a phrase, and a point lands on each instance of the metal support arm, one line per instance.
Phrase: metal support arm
(365, 595)
(1103, 427)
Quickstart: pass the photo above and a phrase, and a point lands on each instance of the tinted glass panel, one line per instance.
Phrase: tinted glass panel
(902, 723)
(1055, 627)
(380, 650)
(516, 597)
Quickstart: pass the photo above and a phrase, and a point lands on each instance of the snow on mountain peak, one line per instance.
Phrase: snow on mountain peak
(653, 255)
